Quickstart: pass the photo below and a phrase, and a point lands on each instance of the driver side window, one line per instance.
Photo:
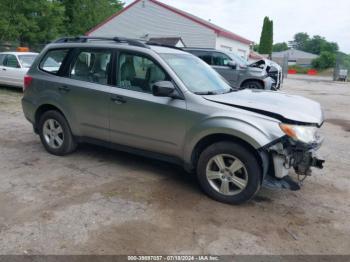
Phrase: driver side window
(220, 59)
(138, 73)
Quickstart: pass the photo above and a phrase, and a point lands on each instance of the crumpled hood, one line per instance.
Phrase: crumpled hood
(284, 107)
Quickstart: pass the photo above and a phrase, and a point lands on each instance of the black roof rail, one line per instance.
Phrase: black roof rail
(84, 39)
(168, 46)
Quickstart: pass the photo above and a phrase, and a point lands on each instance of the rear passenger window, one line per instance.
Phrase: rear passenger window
(205, 56)
(52, 61)
(11, 61)
(91, 66)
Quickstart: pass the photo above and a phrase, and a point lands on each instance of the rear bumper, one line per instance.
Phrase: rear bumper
(28, 110)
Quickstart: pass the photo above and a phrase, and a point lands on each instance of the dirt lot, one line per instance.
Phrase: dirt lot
(98, 201)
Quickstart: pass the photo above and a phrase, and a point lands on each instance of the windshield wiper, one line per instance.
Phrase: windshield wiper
(206, 93)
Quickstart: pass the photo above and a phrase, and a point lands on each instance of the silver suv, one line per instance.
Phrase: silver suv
(262, 74)
(169, 104)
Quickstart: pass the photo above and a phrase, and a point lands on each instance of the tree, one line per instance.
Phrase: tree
(266, 38)
(316, 45)
(278, 47)
(300, 40)
(324, 61)
(30, 21)
(82, 15)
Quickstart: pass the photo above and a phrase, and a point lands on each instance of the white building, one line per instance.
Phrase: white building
(147, 19)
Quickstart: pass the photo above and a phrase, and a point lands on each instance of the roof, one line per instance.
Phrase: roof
(294, 54)
(18, 53)
(217, 29)
(169, 41)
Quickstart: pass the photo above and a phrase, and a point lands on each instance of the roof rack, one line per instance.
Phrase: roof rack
(168, 46)
(84, 39)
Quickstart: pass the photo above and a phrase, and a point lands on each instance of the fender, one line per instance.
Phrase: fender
(54, 99)
(253, 135)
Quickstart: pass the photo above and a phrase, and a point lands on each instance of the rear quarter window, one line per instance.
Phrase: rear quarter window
(53, 60)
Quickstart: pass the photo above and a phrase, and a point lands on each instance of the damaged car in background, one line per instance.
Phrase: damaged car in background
(262, 74)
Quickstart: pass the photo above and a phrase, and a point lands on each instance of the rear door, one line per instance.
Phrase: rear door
(221, 65)
(86, 89)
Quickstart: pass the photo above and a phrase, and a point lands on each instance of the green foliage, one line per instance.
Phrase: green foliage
(30, 22)
(316, 45)
(82, 15)
(256, 47)
(266, 38)
(299, 69)
(324, 61)
(278, 47)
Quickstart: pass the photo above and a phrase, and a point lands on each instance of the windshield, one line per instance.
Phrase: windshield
(238, 59)
(26, 60)
(198, 77)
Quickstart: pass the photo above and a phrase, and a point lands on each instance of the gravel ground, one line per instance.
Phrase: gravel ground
(98, 201)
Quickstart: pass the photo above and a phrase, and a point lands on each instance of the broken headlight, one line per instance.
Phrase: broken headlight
(305, 134)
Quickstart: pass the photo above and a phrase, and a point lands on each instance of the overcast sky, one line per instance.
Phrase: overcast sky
(328, 18)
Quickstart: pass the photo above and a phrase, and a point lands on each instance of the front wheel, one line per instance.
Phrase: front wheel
(252, 85)
(229, 173)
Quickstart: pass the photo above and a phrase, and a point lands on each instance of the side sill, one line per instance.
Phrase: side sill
(132, 150)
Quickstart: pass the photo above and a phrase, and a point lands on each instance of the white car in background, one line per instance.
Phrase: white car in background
(14, 66)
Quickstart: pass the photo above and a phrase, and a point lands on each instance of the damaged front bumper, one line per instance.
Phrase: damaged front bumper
(285, 154)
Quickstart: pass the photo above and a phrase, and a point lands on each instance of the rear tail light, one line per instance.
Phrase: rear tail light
(27, 82)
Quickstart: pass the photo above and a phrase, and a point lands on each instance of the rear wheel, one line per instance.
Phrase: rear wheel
(229, 173)
(55, 134)
(252, 85)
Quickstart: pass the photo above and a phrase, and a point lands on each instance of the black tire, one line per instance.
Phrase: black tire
(69, 144)
(252, 167)
(253, 84)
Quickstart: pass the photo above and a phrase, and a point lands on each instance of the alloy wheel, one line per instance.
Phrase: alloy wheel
(226, 174)
(53, 133)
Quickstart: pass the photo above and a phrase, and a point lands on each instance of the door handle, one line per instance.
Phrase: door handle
(64, 89)
(118, 99)
(3, 69)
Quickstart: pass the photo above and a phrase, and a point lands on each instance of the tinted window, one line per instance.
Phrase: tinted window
(2, 56)
(205, 56)
(26, 60)
(11, 61)
(52, 61)
(220, 59)
(91, 66)
(138, 73)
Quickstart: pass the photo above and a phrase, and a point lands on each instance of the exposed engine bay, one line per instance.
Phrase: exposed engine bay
(273, 70)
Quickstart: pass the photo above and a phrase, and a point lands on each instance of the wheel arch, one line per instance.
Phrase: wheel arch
(252, 80)
(208, 140)
(41, 110)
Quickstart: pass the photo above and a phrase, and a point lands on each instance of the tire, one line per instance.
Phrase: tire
(65, 143)
(252, 84)
(238, 191)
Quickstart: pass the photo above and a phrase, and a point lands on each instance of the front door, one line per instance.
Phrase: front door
(137, 118)
(221, 65)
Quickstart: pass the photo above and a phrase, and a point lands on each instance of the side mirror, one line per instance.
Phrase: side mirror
(232, 64)
(163, 88)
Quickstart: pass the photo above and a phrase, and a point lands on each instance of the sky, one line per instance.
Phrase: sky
(330, 19)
